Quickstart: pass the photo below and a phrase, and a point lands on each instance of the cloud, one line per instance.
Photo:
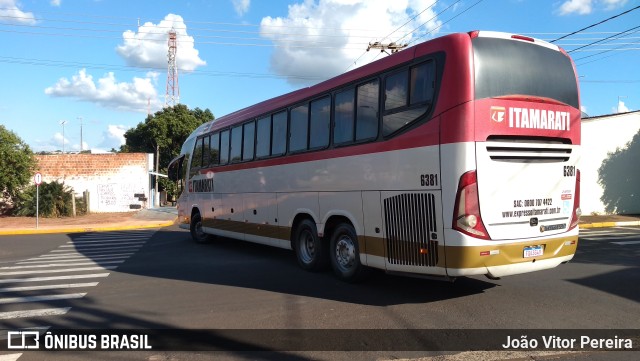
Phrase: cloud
(56, 3)
(585, 7)
(113, 137)
(11, 14)
(107, 92)
(613, 4)
(149, 46)
(241, 6)
(320, 40)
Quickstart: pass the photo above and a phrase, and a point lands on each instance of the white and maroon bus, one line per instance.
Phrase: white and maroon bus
(454, 157)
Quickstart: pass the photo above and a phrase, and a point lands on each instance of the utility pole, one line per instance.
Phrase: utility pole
(620, 96)
(63, 122)
(80, 119)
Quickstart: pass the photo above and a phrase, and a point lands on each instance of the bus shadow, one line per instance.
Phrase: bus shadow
(622, 282)
(171, 254)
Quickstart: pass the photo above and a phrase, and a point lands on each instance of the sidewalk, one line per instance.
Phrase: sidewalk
(146, 218)
(167, 216)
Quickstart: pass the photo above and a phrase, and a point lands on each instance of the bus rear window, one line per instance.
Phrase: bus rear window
(508, 67)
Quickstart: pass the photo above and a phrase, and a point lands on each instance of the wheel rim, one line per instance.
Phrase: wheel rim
(307, 246)
(345, 253)
(198, 228)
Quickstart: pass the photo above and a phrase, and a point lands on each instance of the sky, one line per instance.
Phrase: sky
(91, 69)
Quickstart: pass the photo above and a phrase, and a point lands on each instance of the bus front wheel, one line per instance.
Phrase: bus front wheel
(344, 254)
(197, 233)
(309, 248)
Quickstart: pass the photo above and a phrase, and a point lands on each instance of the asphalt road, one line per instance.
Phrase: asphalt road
(162, 280)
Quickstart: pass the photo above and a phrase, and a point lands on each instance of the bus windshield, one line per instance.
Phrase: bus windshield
(506, 67)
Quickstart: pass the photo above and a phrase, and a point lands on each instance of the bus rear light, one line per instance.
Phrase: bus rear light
(474, 34)
(466, 214)
(577, 212)
(520, 37)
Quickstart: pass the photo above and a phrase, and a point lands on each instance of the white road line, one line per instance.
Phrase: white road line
(10, 357)
(104, 249)
(4, 334)
(57, 270)
(63, 265)
(101, 244)
(75, 259)
(108, 241)
(78, 255)
(608, 238)
(53, 278)
(629, 228)
(48, 287)
(65, 296)
(34, 313)
(624, 243)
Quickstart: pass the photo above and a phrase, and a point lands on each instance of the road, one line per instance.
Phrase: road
(161, 280)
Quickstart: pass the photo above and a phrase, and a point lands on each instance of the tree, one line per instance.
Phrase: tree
(17, 165)
(167, 129)
(56, 200)
(165, 132)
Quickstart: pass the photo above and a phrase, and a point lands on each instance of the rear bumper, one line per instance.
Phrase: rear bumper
(507, 258)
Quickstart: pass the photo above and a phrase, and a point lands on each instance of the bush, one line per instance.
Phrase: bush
(56, 200)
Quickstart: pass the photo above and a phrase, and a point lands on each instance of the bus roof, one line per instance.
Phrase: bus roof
(462, 65)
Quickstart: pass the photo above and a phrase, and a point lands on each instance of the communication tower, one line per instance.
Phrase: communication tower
(172, 96)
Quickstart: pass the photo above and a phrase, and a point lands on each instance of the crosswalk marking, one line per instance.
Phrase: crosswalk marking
(32, 286)
(53, 278)
(84, 254)
(626, 242)
(91, 263)
(102, 244)
(65, 296)
(48, 287)
(76, 259)
(57, 270)
(34, 313)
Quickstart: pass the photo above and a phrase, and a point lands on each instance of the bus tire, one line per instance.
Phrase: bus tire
(197, 234)
(309, 248)
(344, 254)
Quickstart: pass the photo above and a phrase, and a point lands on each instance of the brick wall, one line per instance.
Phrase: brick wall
(116, 182)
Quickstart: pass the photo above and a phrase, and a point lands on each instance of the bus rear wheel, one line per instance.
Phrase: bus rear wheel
(197, 233)
(344, 254)
(309, 248)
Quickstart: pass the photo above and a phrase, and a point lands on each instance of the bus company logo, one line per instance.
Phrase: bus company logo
(498, 113)
(23, 340)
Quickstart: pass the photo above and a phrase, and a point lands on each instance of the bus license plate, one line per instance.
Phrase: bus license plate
(533, 251)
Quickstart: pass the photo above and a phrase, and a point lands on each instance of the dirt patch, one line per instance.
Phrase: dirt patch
(93, 218)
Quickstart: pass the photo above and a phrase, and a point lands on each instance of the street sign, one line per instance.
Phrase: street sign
(37, 178)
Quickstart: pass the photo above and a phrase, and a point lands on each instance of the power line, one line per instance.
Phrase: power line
(441, 25)
(601, 40)
(596, 24)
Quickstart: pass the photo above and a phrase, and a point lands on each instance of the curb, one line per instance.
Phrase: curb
(608, 224)
(106, 228)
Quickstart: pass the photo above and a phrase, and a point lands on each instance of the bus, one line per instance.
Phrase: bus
(454, 157)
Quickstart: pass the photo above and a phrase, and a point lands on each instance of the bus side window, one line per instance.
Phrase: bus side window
(423, 82)
(214, 149)
(320, 121)
(248, 140)
(367, 111)
(299, 128)
(343, 117)
(196, 160)
(224, 147)
(263, 138)
(205, 151)
(236, 143)
(279, 134)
